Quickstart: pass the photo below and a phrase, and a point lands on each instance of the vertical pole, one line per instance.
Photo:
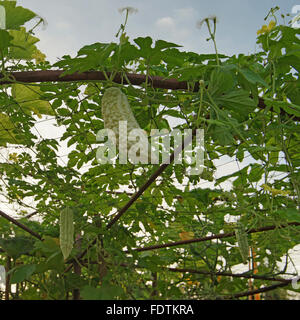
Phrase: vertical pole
(77, 268)
(7, 281)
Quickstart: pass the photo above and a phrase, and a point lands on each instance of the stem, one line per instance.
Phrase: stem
(77, 268)
(212, 237)
(212, 36)
(7, 281)
(228, 274)
(20, 225)
(261, 290)
(289, 165)
(200, 106)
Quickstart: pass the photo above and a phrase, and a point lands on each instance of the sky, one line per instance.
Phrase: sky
(71, 24)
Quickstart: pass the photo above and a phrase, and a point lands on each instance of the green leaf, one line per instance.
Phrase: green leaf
(92, 89)
(237, 100)
(252, 77)
(141, 207)
(8, 131)
(201, 195)
(285, 63)
(255, 173)
(22, 273)
(189, 73)
(48, 246)
(16, 16)
(128, 53)
(154, 55)
(221, 80)
(290, 108)
(106, 292)
(290, 214)
(222, 134)
(161, 44)
(17, 246)
(5, 39)
(74, 281)
(23, 45)
(234, 174)
(292, 90)
(173, 113)
(64, 112)
(29, 99)
(145, 45)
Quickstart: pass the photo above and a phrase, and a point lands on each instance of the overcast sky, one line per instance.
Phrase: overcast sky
(72, 24)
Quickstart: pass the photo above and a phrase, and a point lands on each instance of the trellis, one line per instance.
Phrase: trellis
(156, 82)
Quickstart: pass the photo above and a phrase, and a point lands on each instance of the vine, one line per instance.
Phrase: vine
(177, 230)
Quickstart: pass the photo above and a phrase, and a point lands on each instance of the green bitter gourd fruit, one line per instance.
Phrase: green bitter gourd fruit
(115, 108)
(66, 235)
(242, 240)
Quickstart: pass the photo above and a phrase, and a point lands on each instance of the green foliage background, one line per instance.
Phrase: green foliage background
(226, 105)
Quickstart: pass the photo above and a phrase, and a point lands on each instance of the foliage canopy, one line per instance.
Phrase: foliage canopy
(109, 263)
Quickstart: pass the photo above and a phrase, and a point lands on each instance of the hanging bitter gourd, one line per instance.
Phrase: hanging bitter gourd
(66, 235)
(116, 108)
(242, 240)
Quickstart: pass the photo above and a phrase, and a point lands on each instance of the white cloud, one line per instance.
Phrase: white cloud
(63, 25)
(56, 47)
(185, 13)
(165, 22)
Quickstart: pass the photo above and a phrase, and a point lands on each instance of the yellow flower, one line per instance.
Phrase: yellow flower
(271, 25)
(13, 157)
(275, 192)
(262, 30)
(265, 28)
(190, 283)
(38, 56)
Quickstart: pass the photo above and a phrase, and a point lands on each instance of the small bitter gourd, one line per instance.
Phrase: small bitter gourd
(242, 240)
(66, 235)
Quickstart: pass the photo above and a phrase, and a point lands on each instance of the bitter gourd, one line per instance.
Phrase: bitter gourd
(66, 236)
(242, 240)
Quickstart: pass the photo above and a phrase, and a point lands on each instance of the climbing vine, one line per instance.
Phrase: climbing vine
(145, 231)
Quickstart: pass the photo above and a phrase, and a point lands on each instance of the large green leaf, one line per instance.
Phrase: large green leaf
(222, 134)
(161, 44)
(16, 16)
(221, 80)
(29, 99)
(145, 46)
(252, 77)
(8, 131)
(17, 246)
(23, 45)
(22, 273)
(5, 39)
(237, 100)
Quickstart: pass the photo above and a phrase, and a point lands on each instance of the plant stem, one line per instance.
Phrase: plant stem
(7, 281)
(212, 36)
